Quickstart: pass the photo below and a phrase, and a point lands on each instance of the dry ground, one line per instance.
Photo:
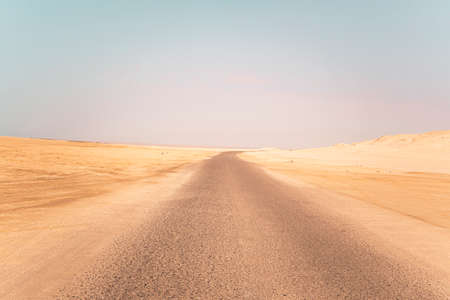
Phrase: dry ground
(233, 232)
(409, 174)
(38, 174)
(64, 204)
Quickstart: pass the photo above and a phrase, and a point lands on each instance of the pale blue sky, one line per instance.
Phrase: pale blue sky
(224, 73)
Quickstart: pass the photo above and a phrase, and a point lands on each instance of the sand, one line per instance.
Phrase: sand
(409, 174)
(62, 203)
(38, 174)
(395, 187)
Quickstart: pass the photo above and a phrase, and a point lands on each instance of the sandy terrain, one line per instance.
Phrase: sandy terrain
(233, 232)
(62, 203)
(36, 175)
(90, 220)
(409, 174)
(396, 187)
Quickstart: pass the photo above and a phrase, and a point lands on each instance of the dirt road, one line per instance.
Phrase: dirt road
(233, 232)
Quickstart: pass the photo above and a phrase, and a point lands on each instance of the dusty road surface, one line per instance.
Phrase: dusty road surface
(233, 232)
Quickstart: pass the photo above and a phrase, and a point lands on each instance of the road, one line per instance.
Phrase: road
(233, 232)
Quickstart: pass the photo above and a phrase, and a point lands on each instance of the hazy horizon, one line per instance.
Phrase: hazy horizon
(231, 74)
(218, 146)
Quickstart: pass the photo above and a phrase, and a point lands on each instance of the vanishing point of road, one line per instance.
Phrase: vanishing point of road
(233, 232)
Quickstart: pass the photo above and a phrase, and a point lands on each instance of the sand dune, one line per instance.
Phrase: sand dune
(409, 174)
(433, 139)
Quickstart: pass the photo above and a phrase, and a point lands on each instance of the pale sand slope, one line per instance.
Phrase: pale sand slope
(396, 186)
(62, 202)
(409, 174)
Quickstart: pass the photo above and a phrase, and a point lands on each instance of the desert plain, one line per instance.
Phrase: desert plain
(409, 174)
(396, 186)
(65, 204)
(38, 175)
(62, 201)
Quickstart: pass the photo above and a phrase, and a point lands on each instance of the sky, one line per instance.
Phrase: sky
(289, 74)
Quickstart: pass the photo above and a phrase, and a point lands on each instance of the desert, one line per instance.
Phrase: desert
(409, 174)
(395, 186)
(61, 203)
(266, 150)
(37, 174)
(74, 211)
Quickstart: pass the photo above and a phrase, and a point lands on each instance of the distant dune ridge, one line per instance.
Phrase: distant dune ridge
(427, 152)
(432, 139)
(407, 173)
